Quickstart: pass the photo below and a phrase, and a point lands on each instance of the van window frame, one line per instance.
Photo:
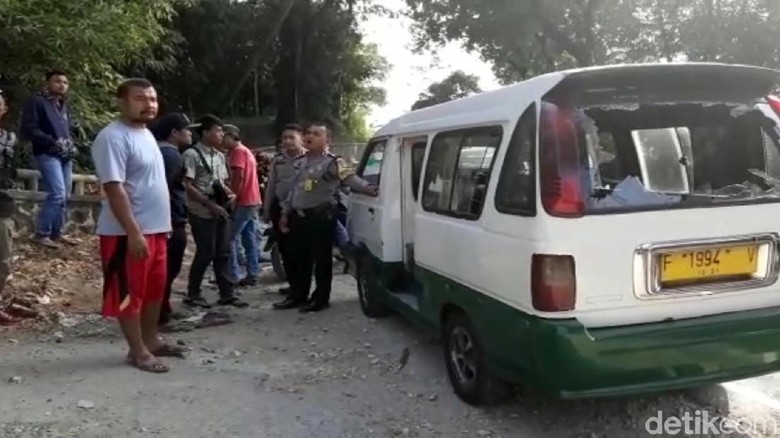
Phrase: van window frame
(370, 146)
(464, 133)
(423, 145)
(531, 211)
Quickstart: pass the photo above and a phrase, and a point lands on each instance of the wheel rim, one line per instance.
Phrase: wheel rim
(463, 355)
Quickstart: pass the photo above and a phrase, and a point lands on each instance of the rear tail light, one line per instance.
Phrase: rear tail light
(553, 283)
(774, 103)
(559, 163)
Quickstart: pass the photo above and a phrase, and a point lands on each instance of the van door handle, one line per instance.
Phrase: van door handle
(371, 210)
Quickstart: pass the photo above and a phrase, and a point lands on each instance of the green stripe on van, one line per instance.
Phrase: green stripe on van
(561, 358)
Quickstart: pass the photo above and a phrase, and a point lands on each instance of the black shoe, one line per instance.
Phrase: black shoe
(284, 291)
(197, 302)
(248, 282)
(235, 302)
(314, 307)
(289, 303)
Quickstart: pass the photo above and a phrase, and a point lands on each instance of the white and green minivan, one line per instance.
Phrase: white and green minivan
(593, 232)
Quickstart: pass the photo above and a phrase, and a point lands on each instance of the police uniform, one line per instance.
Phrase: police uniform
(280, 177)
(311, 212)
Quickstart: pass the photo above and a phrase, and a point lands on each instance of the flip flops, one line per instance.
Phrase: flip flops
(7, 320)
(168, 350)
(151, 365)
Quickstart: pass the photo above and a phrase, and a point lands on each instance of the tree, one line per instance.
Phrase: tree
(325, 70)
(524, 38)
(455, 86)
(91, 41)
(253, 60)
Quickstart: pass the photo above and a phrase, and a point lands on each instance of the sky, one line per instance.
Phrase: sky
(410, 74)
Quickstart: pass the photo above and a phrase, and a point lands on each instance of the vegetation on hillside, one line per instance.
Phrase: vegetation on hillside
(287, 60)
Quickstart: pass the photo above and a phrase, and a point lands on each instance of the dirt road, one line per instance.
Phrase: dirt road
(282, 374)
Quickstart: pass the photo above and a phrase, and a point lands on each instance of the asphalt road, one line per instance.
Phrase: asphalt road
(332, 374)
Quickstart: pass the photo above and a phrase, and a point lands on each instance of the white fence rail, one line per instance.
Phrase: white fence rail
(30, 180)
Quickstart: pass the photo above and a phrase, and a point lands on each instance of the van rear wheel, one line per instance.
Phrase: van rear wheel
(466, 364)
(367, 287)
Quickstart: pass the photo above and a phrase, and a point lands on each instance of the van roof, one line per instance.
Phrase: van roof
(502, 103)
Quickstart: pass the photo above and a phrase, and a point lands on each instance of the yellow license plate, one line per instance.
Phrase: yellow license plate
(708, 264)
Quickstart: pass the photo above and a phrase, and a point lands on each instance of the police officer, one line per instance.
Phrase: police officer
(280, 177)
(309, 215)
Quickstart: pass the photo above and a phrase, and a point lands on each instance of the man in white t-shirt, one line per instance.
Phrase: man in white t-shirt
(134, 224)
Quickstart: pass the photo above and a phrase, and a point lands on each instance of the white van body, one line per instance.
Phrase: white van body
(618, 238)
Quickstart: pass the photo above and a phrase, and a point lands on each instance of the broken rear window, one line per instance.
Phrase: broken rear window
(673, 155)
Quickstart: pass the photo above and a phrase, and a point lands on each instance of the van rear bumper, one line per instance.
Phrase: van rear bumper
(574, 362)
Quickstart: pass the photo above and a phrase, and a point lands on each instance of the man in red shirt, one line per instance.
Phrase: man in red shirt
(244, 183)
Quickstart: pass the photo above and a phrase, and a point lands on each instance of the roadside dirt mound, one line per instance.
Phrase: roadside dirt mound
(47, 283)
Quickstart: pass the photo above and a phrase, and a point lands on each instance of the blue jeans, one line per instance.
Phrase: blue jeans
(57, 178)
(243, 232)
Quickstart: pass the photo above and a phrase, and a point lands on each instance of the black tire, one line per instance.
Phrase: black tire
(466, 367)
(367, 286)
(277, 265)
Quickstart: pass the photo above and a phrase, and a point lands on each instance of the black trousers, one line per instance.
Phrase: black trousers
(282, 240)
(212, 247)
(177, 244)
(311, 246)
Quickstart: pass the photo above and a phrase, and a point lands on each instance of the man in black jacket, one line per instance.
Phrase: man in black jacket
(172, 132)
(48, 125)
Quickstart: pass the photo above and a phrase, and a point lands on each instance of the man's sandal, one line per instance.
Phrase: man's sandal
(151, 365)
(168, 350)
(7, 320)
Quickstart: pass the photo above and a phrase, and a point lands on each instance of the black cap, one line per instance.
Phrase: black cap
(162, 127)
(177, 121)
(231, 130)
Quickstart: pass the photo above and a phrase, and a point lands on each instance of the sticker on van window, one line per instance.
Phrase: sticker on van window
(373, 165)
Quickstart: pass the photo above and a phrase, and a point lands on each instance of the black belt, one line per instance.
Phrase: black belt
(320, 209)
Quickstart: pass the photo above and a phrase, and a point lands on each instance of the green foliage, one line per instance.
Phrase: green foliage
(455, 86)
(306, 65)
(325, 71)
(523, 38)
(90, 40)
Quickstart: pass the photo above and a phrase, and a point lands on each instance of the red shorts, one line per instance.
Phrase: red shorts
(129, 282)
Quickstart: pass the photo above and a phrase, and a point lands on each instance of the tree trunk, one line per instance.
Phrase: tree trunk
(268, 40)
(257, 91)
(287, 72)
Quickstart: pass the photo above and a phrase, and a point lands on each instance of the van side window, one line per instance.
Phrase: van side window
(418, 156)
(516, 189)
(458, 171)
(371, 167)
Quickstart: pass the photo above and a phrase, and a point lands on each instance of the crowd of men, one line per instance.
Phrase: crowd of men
(156, 184)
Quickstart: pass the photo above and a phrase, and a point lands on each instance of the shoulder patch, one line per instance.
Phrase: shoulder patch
(341, 167)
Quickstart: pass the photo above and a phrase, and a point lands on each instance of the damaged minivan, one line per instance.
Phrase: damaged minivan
(584, 233)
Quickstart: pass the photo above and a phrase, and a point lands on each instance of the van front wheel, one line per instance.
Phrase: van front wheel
(370, 304)
(466, 367)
